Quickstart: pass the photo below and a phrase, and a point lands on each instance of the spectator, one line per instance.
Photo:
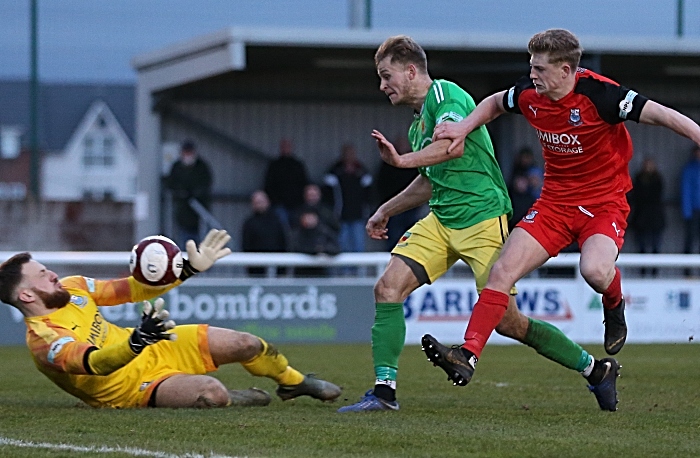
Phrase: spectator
(521, 198)
(690, 200)
(190, 177)
(313, 201)
(350, 183)
(535, 178)
(285, 179)
(390, 181)
(647, 219)
(525, 165)
(311, 236)
(262, 231)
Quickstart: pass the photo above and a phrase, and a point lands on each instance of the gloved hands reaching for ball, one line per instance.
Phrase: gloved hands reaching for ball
(153, 328)
(210, 250)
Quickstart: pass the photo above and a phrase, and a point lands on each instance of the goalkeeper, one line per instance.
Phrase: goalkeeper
(156, 364)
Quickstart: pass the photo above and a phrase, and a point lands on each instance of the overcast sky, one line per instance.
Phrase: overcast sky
(94, 40)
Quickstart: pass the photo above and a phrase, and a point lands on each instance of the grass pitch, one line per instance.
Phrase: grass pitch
(518, 405)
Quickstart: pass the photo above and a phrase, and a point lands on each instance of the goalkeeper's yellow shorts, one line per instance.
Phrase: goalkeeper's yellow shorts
(189, 354)
(437, 247)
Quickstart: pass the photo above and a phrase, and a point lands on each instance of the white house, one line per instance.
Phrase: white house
(99, 161)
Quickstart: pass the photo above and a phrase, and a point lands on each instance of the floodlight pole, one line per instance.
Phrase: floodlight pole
(368, 14)
(34, 105)
(679, 19)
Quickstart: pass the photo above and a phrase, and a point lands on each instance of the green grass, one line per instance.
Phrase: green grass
(518, 405)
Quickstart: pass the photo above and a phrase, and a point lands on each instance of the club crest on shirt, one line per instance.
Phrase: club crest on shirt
(530, 217)
(575, 117)
(403, 240)
(80, 301)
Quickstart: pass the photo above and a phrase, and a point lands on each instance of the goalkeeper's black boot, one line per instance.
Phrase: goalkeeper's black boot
(457, 362)
(605, 390)
(310, 386)
(249, 398)
(615, 328)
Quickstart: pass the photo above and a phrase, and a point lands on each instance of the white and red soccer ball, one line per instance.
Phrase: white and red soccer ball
(156, 261)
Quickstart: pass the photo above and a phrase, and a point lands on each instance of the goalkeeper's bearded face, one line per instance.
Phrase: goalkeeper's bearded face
(54, 300)
(44, 284)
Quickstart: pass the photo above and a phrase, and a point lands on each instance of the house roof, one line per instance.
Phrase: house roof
(61, 108)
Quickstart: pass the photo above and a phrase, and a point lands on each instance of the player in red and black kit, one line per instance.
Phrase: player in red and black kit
(578, 116)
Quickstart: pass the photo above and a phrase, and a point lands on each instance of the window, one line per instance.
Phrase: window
(99, 146)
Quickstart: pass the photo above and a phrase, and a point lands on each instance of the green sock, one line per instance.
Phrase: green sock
(388, 337)
(551, 343)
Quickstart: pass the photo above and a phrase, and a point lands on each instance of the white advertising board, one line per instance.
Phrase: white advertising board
(657, 310)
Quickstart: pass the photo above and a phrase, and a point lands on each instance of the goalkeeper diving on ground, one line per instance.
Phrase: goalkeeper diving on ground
(155, 364)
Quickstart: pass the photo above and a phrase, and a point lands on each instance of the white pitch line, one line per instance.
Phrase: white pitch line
(103, 449)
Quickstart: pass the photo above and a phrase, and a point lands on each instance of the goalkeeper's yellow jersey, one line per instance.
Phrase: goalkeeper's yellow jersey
(59, 341)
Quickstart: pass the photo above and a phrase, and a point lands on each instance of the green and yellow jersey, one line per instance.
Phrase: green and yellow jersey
(465, 190)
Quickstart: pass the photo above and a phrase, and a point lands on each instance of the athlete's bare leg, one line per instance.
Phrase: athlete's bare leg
(184, 390)
(598, 255)
(513, 324)
(396, 283)
(521, 254)
(229, 346)
(180, 391)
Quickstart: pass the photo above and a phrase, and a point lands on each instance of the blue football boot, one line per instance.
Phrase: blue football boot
(368, 403)
(605, 391)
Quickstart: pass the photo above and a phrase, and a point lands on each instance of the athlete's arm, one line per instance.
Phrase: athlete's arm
(656, 114)
(119, 291)
(59, 349)
(434, 153)
(415, 194)
(486, 111)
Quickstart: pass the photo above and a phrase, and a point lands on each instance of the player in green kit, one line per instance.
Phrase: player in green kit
(468, 220)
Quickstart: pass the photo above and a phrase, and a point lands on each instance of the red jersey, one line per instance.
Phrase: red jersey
(585, 146)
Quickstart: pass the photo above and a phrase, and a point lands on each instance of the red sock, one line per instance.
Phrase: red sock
(613, 295)
(488, 311)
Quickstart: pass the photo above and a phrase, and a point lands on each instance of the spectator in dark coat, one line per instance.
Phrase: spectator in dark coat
(647, 219)
(190, 177)
(521, 199)
(262, 231)
(311, 236)
(313, 201)
(285, 179)
(350, 183)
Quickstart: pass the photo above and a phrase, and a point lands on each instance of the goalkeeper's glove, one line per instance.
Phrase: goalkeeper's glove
(154, 324)
(210, 250)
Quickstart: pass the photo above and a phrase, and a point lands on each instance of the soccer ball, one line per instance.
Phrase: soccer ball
(156, 261)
